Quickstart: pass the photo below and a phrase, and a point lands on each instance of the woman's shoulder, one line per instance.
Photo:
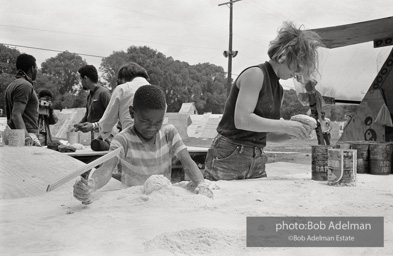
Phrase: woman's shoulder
(252, 74)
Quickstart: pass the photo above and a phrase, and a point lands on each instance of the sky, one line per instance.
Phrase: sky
(195, 31)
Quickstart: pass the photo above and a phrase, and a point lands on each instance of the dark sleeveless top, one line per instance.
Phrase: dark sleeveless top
(268, 106)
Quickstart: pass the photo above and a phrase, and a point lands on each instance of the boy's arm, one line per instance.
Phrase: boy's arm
(98, 178)
(103, 174)
(194, 173)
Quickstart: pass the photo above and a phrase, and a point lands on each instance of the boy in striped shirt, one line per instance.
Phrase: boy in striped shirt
(146, 149)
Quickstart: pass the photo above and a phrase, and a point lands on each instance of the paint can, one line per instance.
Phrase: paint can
(343, 145)
(363, 155)
(319, 162)
(342, 165)
(381, 158)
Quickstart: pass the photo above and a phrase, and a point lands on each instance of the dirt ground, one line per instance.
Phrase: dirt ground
(292, 151)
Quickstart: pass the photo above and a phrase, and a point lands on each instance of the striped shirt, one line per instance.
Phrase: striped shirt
(140, 160)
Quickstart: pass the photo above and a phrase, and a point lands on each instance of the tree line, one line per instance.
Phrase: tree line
(203, 83)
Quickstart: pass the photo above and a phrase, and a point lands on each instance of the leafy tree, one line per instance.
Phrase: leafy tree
(7, 70)
(210, 81)
(203, 84)
(64, 69)
(60, 75)
(110, 65)
(81, 99)
(8, 59)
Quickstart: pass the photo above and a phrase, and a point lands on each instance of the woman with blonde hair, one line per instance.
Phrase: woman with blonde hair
(252, 109)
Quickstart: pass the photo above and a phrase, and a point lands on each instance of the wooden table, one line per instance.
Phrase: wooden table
(27, 171)
(198, 154)
(86, 154)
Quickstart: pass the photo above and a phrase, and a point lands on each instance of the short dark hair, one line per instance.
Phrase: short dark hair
(131, 70)
(25, 62)
(45, 93)
(90, 71)
(149, 97)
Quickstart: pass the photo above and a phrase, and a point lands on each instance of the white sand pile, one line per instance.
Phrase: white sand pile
(155, 183)
(175, 221)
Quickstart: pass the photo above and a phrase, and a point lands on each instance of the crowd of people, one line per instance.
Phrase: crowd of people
(251, 118)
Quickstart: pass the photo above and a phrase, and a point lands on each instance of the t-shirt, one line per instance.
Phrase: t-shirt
(21, 90)
(97, 101)
(146, 159)
(118, 107)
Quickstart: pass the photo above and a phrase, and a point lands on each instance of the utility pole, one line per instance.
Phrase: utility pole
(230, 54)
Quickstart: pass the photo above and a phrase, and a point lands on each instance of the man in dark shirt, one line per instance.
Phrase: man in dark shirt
(21, 100)
(98, 99)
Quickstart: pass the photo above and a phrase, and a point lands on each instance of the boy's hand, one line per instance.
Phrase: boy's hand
(83, 190)
(203, 189)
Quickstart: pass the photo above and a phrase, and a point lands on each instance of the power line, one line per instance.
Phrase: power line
(111, 38)
(176, 21)
(51, 50)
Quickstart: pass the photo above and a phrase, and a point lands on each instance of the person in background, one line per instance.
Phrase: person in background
(147, 148)
(97, 100)
(130, 77)
(21, 100)
(348, 118)
(46, 116)
(252, 110)
(326, 126)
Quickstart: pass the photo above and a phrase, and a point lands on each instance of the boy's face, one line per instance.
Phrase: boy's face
(147, 122)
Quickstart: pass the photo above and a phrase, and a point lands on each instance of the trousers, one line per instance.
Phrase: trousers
(228, 160)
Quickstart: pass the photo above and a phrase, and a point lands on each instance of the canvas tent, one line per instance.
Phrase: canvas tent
(371, 120)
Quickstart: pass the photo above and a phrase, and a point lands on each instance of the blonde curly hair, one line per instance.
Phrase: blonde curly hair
(298, 47)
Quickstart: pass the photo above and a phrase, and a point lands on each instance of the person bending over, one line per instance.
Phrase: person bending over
(253, 108)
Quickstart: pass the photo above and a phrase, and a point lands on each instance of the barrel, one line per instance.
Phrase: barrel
(343, 145)
(381, 158)
(363, 149)
(342, 165)
(319, 162)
